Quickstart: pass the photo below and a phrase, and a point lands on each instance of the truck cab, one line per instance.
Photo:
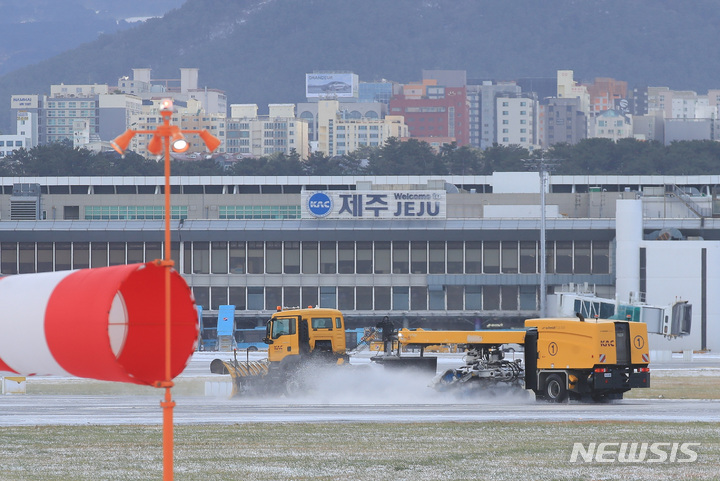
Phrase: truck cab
(299, 334)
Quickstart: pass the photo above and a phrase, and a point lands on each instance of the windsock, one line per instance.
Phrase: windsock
(106, 323)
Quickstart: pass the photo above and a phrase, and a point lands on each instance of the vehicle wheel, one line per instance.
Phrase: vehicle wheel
(539, 395)
(555, 390)
(293, 386)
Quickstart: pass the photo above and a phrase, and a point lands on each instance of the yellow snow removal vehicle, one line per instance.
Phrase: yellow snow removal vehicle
(563, 358)
(297, 339)
(599, 359)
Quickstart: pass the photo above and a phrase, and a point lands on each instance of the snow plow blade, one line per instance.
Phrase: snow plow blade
(243, 374)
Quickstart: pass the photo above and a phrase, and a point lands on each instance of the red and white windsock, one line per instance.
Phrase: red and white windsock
(106, 323)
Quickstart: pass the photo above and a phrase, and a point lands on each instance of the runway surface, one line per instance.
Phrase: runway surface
(367, 394)
(107, 410)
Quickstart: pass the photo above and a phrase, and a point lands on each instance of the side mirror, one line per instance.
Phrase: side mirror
(268, 341)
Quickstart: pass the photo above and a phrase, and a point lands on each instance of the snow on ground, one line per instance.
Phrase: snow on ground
(702, 364)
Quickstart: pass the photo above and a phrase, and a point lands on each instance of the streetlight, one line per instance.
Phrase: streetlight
(166, 137)
(543, 249)
(544, 166)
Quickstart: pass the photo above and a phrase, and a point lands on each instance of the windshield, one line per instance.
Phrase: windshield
(282, 326)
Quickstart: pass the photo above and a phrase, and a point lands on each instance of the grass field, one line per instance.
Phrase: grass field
(352, 451)
(289, 451)
(679, 387)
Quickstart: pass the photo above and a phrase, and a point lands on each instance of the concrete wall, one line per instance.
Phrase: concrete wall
(674, 271)
(687, 129)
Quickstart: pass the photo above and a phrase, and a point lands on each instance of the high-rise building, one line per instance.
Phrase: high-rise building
(474, 120)
(660, 100)
(638, 101)
(433, 110)
(562, 120)
(481, 97)
(517, 120)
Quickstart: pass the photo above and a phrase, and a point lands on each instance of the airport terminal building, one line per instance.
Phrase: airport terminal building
(452, 252)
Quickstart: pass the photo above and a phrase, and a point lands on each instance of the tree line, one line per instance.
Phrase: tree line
(411, 157)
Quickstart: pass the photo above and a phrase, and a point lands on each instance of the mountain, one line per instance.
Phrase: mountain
(259, 51)
(34, 30)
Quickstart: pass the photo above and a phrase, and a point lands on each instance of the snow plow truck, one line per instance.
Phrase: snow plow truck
(563, 358)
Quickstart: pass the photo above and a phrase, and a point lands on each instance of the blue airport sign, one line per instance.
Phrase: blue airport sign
(320, 204)
(406, 204)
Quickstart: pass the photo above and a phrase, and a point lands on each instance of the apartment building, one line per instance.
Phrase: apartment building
(682, 104)
(250, 135)
(482, 114)
(338, 135)
(308, 112)
(517, 121)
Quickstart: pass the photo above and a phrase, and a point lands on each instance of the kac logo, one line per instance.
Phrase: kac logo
(320, 204)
